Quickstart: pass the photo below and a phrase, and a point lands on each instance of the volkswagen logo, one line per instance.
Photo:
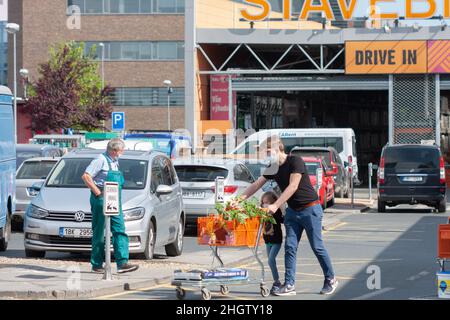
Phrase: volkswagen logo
(79, 216)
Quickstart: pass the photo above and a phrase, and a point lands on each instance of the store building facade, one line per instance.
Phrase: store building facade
(388, 84)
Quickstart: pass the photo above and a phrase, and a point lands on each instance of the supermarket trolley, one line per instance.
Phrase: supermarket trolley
(224, 284)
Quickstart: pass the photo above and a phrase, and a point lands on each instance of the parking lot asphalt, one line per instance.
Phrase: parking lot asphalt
(400, 242)
(387, 256)
(64, 275)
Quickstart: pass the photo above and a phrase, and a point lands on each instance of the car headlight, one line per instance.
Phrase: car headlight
(36, 212)
(133, 214)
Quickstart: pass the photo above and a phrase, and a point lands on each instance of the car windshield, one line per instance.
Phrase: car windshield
(312, 167)
(24, 155)
(35, 170)
(319, 142)
(200, 173)
(68, 172)
(324, 155)
(250, 147)
(256, 169)
(411, 158)
(157, 144)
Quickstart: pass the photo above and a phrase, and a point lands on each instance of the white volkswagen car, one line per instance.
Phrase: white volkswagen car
(59, 217)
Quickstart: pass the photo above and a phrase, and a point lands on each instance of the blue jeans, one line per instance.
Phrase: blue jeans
(272, 252)
(310, 220)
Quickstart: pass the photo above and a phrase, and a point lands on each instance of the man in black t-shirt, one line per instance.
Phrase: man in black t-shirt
(304, 211)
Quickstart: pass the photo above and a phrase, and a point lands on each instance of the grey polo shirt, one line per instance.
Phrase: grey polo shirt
(98, 169)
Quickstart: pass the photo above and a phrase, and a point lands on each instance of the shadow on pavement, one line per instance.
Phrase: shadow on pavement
(407, 267)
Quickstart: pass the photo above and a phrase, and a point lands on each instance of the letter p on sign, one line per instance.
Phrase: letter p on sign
(118, 121)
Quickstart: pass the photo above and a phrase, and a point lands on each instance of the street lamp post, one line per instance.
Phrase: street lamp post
(168, 84)
(13, 28)
(102, 45)
(24, 74)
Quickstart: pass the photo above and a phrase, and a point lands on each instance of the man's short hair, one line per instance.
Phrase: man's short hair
(115, 145)
(272, 142)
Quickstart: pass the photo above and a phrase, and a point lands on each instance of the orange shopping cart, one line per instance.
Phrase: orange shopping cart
(215, 232)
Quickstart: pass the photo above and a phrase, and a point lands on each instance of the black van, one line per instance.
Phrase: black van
(411, 174)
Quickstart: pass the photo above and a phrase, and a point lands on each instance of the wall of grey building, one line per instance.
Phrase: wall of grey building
(46, 25)
(3, 54)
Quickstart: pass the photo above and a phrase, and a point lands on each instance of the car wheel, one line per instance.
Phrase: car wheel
(331, 202)
(34, 254)
(6, 233)
(17, 225)
(176, 248)
(324, 204)
(340, 194)
(381, 206)
(151, 240)
(442, 206)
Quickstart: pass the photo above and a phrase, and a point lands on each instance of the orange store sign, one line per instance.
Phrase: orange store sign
(439, 56)
(385, 57)
(261, 9)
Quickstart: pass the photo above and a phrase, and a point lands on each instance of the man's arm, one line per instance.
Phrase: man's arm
(90, 184)
(294, 182)
(254, 187)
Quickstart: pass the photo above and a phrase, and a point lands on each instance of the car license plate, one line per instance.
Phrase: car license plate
(75, 233)
(194, 195)
(412, 179)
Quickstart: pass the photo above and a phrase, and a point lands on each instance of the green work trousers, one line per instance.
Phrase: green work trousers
(119, 237)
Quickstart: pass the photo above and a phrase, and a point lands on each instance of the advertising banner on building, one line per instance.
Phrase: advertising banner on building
(385, 57)
(439, 56)
(220, 92)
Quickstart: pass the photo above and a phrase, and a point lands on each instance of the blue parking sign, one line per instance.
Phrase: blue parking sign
(118, 121)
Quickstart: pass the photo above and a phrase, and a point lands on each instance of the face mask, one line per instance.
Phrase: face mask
(272, 159)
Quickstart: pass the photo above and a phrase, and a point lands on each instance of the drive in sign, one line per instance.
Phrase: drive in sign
(385, 57)
(111, 199)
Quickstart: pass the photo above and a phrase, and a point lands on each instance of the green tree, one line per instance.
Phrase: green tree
(68, 92)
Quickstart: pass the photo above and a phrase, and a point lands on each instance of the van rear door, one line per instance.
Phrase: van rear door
(412, 170)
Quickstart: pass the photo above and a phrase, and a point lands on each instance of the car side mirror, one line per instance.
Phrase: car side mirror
(335, 169)
(37, 186)
(163, 190)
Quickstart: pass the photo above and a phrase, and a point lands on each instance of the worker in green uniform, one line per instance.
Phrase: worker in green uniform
(106, 168)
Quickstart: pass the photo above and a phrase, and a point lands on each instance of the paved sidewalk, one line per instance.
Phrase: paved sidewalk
(71, 278)
(345, 206)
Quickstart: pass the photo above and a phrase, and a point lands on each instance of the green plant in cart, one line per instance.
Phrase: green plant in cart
(241, 210)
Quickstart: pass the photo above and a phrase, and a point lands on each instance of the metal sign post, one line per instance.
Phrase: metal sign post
(350, 170)
(110, 208)
(370, 180)
(219, 198)
(319, 177)
(220, 190)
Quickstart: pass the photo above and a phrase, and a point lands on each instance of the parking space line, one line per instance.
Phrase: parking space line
(373, 294)
(165, 285)
(334, 227)
(321, 276)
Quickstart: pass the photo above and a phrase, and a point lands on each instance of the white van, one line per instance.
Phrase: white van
(343, 140)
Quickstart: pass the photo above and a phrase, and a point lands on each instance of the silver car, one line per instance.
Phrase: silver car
(31, 171)
(59, 218)
(198, 177)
